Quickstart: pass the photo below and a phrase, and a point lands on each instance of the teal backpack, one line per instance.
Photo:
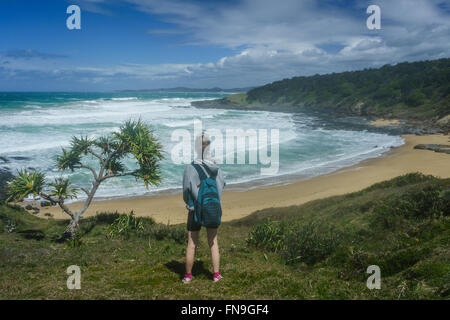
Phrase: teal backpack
(208, 211)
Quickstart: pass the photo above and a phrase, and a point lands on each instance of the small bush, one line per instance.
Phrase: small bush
(310, 243)
(295, 242)
(268, 236)
(178, 234)
(418, 203)
(124, 225)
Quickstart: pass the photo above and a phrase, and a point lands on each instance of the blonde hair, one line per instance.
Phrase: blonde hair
(202, 144)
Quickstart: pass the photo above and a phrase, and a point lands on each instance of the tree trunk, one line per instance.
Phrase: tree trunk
(72, 229)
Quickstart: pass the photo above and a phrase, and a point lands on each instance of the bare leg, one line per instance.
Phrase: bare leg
(214, 246)
(190, 251)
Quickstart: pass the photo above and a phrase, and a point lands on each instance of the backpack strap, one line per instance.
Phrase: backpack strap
(211, 175)
(200, 171)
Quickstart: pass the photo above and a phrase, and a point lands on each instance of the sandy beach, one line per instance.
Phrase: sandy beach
(384, 122)
(237, 204)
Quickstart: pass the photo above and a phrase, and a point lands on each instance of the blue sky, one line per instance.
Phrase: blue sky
(138, 44)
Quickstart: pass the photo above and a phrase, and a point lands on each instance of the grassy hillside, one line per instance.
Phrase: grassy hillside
(319, 250)
(417, 91)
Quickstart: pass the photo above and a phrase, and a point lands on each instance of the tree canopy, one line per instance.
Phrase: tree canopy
(134, 139)
(419, 88)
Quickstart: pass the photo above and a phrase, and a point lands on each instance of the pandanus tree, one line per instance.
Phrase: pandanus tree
(134, 140)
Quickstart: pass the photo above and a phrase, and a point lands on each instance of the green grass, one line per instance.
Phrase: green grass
(238, 99)
(400, 225)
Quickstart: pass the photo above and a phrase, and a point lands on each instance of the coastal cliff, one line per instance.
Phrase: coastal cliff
(417, 92)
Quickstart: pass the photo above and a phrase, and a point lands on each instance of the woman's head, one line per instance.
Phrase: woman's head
(202, 144)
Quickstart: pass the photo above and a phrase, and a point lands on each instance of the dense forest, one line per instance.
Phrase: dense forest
(418, 90)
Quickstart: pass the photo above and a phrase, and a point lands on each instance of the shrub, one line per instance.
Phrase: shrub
(419, 203)
(424, 203)
(310, 243)
(124, 225)
(268, 235)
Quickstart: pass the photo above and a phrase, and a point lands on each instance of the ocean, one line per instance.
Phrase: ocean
(34, 127)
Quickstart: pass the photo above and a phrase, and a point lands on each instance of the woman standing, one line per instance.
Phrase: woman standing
(191, 186)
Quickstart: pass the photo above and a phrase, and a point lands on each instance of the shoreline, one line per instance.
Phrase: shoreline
(385, 122)
(236, 204)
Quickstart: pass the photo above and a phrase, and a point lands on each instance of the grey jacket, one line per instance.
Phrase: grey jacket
(191, 180)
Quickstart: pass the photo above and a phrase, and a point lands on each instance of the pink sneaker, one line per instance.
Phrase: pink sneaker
(217, 277)
(187, 278)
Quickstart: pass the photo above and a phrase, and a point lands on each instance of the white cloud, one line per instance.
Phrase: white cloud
(276, 39)
(285, 38)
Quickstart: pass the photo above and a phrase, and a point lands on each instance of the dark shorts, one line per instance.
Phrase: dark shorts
(191, 224)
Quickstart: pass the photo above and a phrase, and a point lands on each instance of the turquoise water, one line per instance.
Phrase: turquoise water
(34, 126)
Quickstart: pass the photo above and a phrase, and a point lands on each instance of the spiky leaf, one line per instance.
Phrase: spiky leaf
(62, 189)
(24, 184)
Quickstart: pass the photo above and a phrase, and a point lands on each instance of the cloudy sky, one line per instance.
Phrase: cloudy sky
(138, 44)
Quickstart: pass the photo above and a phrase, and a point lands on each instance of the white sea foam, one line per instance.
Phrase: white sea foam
(38, 130)
(124, 99)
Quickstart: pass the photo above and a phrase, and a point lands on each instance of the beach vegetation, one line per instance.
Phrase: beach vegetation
(134, 139)
(336, 239)
(124, 225)
(408, 90)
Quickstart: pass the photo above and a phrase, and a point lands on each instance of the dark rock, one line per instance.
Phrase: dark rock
(5, 174)
(407, 125)
(225, 104)
(5, 160)
(434, 147)
(19, 158)
(45, 203)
